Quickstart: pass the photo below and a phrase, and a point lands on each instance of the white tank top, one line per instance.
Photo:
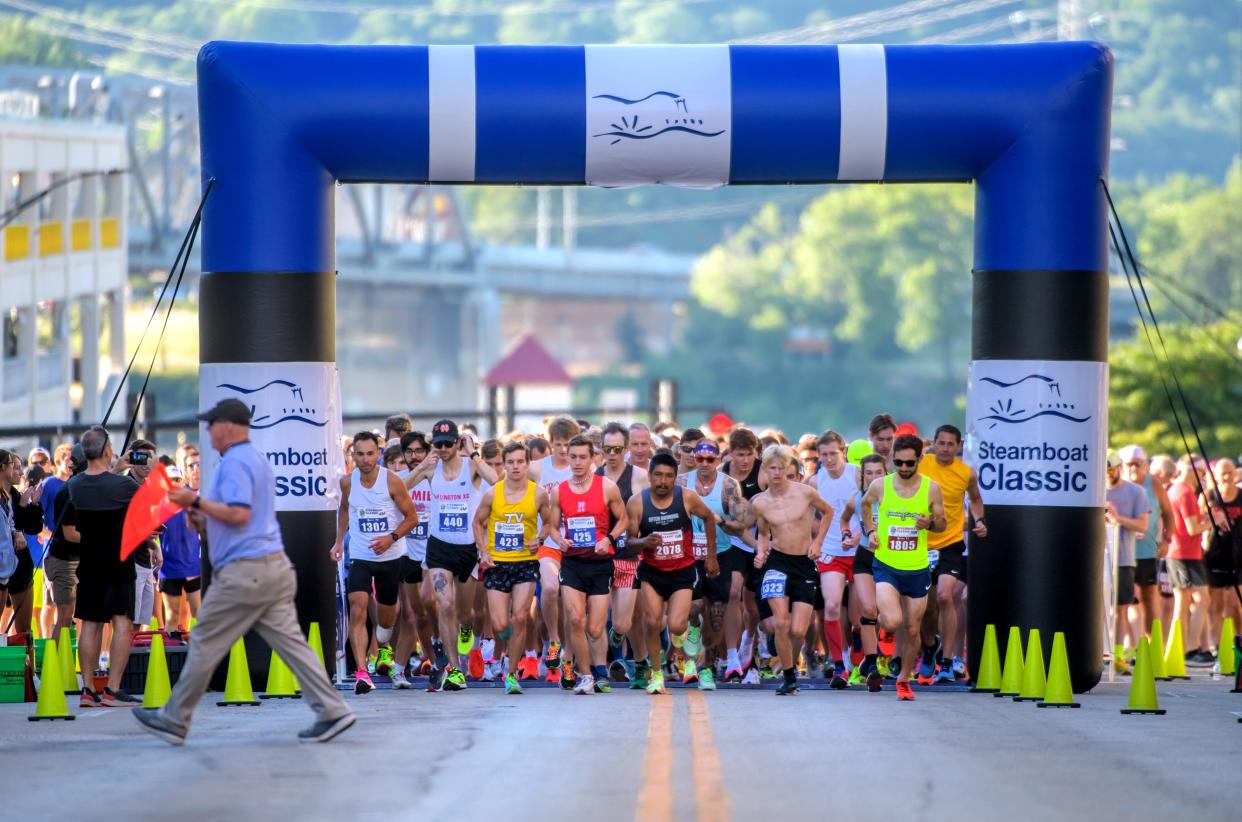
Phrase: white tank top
(372, 513)
(416, 540)
(549, 478)
(452, 506)
(836, 492)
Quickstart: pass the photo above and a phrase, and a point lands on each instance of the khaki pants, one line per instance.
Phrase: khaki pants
(244, 594)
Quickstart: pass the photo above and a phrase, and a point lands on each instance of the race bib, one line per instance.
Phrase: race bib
(903, 538)
(933, 559)
(509, 536)
(773, 585)
(372, 522)
(581, 532)
(700, 545)
(672, 545)
(453, 517)
(421, 531)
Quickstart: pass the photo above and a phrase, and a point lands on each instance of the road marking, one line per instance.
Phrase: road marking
(655, 799)
(710, 797)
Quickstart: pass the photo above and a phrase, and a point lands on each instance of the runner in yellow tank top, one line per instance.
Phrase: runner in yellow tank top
(957, 481)
(506, 524)
(909, 507)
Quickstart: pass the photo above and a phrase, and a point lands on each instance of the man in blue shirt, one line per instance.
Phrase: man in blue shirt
(252, 583)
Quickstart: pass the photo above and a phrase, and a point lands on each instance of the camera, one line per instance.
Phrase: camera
(138, 457)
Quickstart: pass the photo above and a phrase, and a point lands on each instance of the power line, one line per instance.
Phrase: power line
(517, 9)
(894, 18)
(97, 24)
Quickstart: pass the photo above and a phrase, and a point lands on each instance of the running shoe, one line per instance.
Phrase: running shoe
(894, 668)
(602, 685)
(1200, 659)
(399, 682)
(694, 641)
(959, 668)
(435, 680)
(707, 680)
(455, 680)
(642, 673)
(437, 650)
(746, 650)
(751, 678)
(363, 683)
(383, 662)
(511, 685)
(617, 671)
(904, 692)
(554, 675)
(425, 667)
(584, 684)
(465, 640)
(766, 673)
(552, 659)
(689, 672)
(90, 699)
(488, 649)
(474, 661)
(528, 668)
(371, 660)
(733, 675)
(568, 679)
(1122, 668)
(839, 682)
(927, 671)
(787, 687)
(855, 677)
(945, 674)
(118, 699)
(615, 639)
(888, 643)
(656, 685)
(875, 681)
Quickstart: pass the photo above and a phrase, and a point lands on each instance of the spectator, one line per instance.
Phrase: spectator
(100, 495)
(61, 563)
(1126, 507)
(1187, 571)
(149, 556)
(395, 428)
(181, 573)
(23, 517)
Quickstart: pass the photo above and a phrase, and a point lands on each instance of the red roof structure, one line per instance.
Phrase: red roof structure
(528, 362)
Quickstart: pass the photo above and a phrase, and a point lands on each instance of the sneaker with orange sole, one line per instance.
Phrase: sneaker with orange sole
(552, 659)
(904, 692)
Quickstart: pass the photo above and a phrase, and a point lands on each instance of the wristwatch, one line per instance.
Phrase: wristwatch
(197, 503)
(394, 536)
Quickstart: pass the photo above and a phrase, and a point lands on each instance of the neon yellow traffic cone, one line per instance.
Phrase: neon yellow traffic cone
(1224, 649)
(1143, 684)
(1059, 692)
(154, 624)
(193, 622)
(316, 642)
(1011, 679)
(1174, 655)
(1156, 649)
(157, 688)
(281, 683)
(1033, 679)
(989, 680)
(237, 690)
(52, 703)
(68, 675)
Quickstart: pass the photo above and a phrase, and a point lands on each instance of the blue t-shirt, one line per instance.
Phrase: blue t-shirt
(243, 477)
(47, 499)
(181, 548)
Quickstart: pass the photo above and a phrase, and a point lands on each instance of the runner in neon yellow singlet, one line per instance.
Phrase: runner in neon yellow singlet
(910, 505)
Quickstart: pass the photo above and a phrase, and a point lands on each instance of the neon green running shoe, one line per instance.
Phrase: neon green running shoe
(707, 680)
(694, 641)
(383, 662)
(465, 640)
(511, 685)
(856, 677)
(766, 673)
(642, 671)
(656, 685)
(455, 680)
(602, 685)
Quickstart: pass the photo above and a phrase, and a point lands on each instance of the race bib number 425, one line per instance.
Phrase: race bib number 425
(581, 531)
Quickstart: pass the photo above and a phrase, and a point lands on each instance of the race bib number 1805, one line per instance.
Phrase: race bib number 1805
(902, 538)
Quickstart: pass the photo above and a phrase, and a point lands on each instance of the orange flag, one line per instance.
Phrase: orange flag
(148, 510)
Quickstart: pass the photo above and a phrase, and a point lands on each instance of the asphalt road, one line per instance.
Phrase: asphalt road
(627, 756)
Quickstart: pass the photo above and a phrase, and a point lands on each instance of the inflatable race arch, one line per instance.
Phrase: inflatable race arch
(1027, 124)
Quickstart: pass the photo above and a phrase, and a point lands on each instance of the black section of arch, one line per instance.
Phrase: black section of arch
(1040, 315)
(267, 317)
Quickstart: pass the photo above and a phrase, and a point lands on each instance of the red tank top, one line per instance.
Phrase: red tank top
(584, 518)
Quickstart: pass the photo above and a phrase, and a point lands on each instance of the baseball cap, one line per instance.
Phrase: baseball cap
(227, 410)
(444, 431)
(1113, 459)
(1130, 453)
(707, 447)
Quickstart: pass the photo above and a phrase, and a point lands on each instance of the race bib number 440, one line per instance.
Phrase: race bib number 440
(453, 517)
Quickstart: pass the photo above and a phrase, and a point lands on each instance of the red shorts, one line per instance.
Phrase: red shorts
(839, 565)
(624, 573)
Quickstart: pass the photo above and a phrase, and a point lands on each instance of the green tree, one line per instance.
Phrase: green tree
(1207, 363)
(24, 44)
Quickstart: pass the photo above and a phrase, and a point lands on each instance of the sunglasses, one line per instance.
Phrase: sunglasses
(707, 460)
(905, 463)
(687, 449)
(441, 445)
(614, 449)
